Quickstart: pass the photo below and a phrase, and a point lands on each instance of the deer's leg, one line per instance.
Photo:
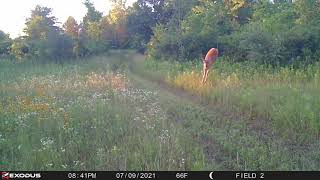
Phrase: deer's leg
(207, 71)
(203, 73)
(206, 76)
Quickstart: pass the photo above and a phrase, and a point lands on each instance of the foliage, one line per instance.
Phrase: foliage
(71, 27)
(141, 19)
(261, 31)
(44, 39)
(92, 14)
(193, 34)
(279, 33)
(5, 43)
(19, 48)
(168, 42)
(117, 19)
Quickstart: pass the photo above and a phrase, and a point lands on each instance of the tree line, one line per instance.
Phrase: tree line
(277, 32)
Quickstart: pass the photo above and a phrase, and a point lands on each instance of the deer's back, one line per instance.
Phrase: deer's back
(211, 55)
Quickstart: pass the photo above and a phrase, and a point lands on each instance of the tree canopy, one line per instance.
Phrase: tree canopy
(279, 32)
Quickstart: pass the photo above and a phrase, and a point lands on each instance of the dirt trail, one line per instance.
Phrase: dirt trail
(211, 148)
(235, 128)
(259, 125)
(138, 58)
(169, 93)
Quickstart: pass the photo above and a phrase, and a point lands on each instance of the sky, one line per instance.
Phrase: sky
(13, 13)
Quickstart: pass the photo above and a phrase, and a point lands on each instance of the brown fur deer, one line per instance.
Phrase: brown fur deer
(209, 59)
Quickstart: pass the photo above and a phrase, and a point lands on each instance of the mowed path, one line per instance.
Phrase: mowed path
(229, 140)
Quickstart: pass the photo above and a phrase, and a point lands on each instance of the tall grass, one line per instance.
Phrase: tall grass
(98, 115)
(85, 116)
(287, 98)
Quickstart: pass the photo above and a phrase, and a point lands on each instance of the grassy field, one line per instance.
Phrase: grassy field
(117, 112)
(285, 98)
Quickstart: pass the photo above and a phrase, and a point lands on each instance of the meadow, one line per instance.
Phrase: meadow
(85, 116)
(285, 98)
(111, 112)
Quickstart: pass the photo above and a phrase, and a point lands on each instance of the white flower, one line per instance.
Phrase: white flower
(164, 136)
(46, 142)
(49, 164)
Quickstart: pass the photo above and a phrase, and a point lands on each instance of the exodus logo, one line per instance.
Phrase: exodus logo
(7, 175)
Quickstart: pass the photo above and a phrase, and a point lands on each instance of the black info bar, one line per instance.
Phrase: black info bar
(165, 175)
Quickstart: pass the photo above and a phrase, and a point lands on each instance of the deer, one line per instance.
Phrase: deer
(208, 61)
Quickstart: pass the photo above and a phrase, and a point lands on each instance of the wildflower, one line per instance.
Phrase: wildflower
(182, 161)
(76, 162)
(49, 165)
(46, 142)
(62, 149)
(136, 118)
(164, 136)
